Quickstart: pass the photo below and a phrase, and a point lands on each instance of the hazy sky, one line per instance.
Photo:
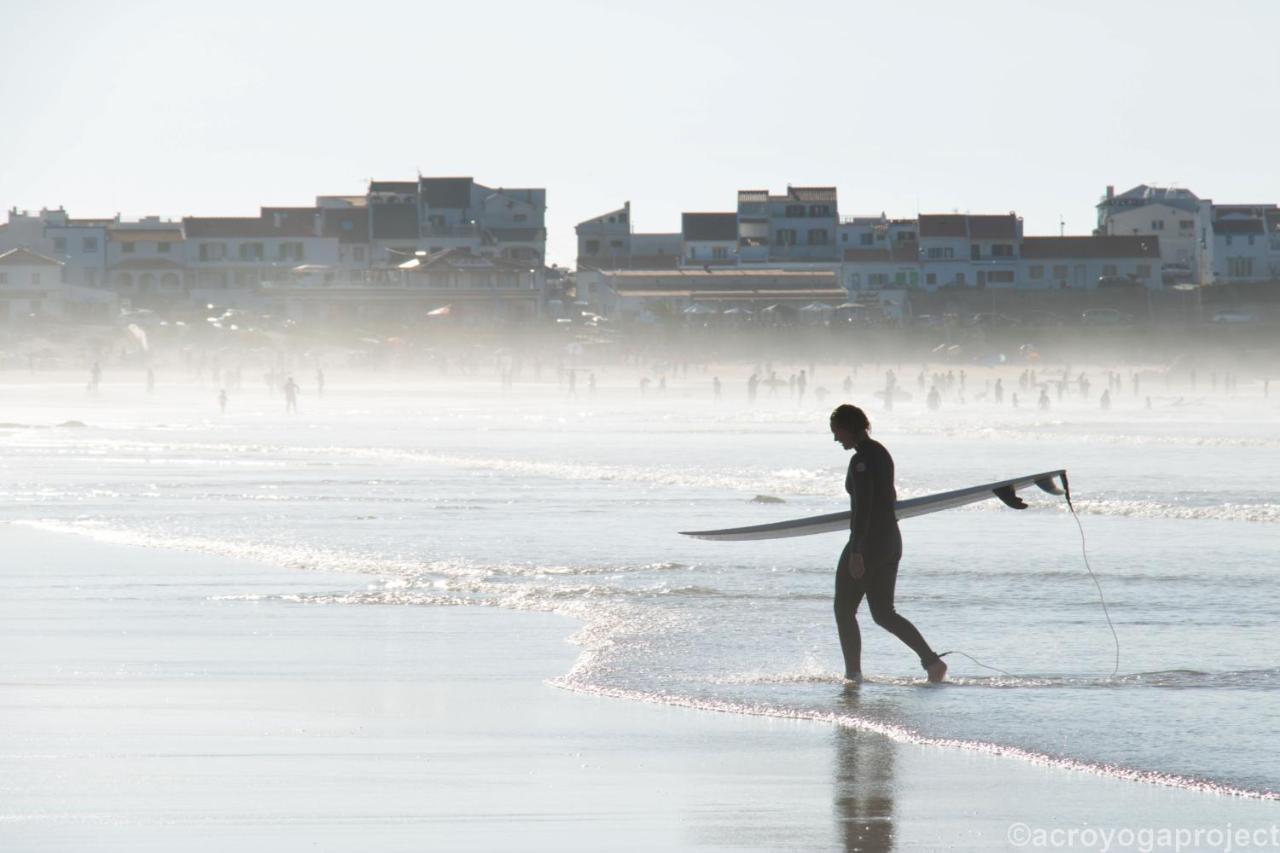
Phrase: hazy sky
(214, 109)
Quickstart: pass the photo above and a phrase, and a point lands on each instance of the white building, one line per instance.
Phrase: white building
(229, 257)
(146, 261)
(1246, 243)
(1088, 262)
(31, 286)
(1182, 221)
(799, 225)
(709, 239)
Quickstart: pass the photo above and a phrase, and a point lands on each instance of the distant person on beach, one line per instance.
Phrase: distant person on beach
(715, 386)
(222, 401)
(868, 566)
(1105, 400)
(1043, 402)
(290, 395)
(95, 377)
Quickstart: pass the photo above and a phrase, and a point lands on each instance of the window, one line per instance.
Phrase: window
(1060, 272)
(162, 247)
(127, 247)
(1144, 270)
(844, 236)
(615, 244)
(960, 278)
(1157, 225)
(89, 244)
(213, 251)
(1250, 239)
(60, 244)
(906, 236)
(855, 279)
(1186, 224)
(719, 253)
(35, 278)
(975, 252)
(818, 237)
(878, 279)
(931, 278)
(251, 251)
(900, 278)
(592, 247)
(1002, 250)
(1239, 267)
(1109, 269)
(693, 253)
(795, 211)
(867, 238)
(819, 210)
(1037, 272)
(936, 253)
(786, 237)
(520, 217)
(1000, 277)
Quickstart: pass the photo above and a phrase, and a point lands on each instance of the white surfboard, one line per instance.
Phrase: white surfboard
(1005, 490)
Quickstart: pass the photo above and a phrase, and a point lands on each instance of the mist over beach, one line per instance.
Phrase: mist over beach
(350, 434)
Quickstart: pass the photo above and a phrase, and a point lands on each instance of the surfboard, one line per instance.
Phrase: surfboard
(1053, 482)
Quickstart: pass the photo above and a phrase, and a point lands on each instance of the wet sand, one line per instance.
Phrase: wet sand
(163, 700)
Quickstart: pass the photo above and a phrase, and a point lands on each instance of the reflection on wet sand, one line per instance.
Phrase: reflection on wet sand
(863, 787)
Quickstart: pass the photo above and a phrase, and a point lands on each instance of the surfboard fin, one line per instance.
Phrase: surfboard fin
(1048, 485)
(1010, 497)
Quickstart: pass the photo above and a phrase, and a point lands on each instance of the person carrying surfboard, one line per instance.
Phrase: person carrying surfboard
(868, 565)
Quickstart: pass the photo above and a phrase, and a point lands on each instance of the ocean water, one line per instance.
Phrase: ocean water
(450, 492)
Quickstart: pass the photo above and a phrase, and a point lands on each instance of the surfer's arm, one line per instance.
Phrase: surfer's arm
(860, 524)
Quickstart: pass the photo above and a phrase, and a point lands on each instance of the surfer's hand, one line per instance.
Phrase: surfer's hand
(856, 567)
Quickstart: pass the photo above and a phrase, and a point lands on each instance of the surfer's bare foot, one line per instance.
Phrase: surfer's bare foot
(937, 671)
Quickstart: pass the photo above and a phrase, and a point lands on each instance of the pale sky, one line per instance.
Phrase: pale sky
(978, 106)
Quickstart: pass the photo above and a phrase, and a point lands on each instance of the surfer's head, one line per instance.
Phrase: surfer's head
(849, 425)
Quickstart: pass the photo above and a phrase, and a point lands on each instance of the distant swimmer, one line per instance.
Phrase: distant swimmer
(1105, 400)
(868, 565)
(1043, 403)
(290, 389)
(753, 387)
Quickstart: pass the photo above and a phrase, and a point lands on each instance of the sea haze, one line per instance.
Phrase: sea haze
(454, 492)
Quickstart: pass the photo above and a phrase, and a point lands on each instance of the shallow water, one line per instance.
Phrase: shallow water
(449, 493)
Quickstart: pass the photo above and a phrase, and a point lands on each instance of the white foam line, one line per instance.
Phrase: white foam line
(901, 734)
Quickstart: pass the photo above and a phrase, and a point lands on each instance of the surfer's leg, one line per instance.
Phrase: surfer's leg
(881, 583)
(849, 594)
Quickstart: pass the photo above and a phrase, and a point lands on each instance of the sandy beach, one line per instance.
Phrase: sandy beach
(144, 708)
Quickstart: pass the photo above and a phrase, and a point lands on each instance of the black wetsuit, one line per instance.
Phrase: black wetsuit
(874, 535)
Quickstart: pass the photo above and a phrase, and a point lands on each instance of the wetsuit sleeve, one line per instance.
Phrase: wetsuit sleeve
(863, 491)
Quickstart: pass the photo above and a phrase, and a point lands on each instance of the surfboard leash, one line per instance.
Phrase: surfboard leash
(1084, 553)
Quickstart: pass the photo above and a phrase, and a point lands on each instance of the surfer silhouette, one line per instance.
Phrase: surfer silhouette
(868, 565)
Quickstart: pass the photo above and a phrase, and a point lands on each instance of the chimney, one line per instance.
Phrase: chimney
(1111, 191)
